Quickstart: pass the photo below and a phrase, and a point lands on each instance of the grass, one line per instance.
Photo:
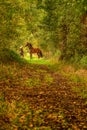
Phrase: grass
(35, 60)
(78, 81)
(81, 91)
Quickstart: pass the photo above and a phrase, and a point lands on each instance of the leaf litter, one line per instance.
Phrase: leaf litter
(31, 101)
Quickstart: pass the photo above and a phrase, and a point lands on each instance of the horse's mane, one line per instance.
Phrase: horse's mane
(28, 45)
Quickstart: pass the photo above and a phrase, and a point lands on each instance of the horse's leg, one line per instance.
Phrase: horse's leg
(30, 55)
(38, 54)
(41, 54)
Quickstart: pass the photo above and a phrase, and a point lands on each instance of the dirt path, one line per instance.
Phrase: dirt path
(56, 104)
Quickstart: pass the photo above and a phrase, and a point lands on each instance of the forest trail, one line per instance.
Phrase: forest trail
(52, 103)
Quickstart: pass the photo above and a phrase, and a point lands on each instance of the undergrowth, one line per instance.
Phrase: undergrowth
(8, 56)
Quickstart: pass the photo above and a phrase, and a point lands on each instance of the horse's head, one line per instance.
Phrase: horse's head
(28, 45)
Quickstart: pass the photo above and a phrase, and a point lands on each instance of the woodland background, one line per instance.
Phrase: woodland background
(58, 27)
(48, 93)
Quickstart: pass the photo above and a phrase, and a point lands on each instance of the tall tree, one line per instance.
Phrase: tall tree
(63, 24)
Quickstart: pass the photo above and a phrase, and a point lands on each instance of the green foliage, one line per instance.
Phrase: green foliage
(50, 24)
(8, 56)
(63, 23)
(83, 62)
(8, 32)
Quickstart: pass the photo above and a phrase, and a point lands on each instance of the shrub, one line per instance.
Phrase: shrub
(83, 62)
(8, 56)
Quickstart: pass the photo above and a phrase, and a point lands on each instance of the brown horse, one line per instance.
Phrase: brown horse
(34, 50)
